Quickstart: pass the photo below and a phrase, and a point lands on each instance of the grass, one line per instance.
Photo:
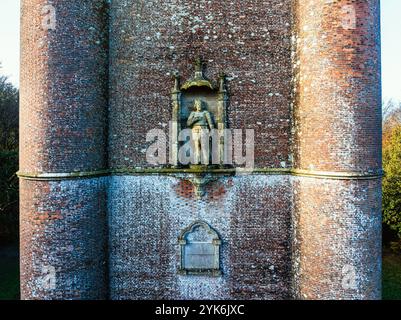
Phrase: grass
(9, 274)
(391, 275)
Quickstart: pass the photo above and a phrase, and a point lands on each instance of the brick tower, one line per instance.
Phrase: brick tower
(337, 211)
(63, 136)
(99, 221)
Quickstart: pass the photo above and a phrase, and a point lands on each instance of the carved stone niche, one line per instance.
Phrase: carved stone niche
(214, 100)
(200, 250)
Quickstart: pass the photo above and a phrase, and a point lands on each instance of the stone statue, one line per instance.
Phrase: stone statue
(201, 122)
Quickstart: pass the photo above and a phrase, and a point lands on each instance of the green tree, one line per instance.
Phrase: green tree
(392, 179)
(8, 160)
(9, 100)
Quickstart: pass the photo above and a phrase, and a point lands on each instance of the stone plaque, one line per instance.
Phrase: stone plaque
(200, 250)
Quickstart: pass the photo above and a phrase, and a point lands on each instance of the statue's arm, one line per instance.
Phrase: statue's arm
(209, 120)
(190, 120)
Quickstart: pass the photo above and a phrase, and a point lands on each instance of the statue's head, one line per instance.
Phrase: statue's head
(198, 105)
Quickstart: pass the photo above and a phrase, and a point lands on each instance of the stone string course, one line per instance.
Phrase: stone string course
(92, 88)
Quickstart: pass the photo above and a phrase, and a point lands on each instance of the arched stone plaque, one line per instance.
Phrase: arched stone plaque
(200, 250)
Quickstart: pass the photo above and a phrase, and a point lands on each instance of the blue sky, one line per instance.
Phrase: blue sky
(9, 39)
(391, 44)
(391, 48)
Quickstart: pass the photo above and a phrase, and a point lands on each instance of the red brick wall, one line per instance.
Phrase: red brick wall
(63, 227)
(251, 42)
(63, 87)
(252, 215)
(337, 129)
(248, 40)
(338, 106)
(62, 124)
(337, 236)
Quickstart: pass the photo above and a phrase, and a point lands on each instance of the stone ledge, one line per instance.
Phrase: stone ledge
(336, 175)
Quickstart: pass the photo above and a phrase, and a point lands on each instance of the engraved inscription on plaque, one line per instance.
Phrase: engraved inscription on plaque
(200, 250)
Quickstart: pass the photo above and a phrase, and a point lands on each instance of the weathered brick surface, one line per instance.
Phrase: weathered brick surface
(338, 96)
(250, 41)
(337, 125)
(63, 87)
(337, 232)
(63, 121)
(251, 213)
(63, 226)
